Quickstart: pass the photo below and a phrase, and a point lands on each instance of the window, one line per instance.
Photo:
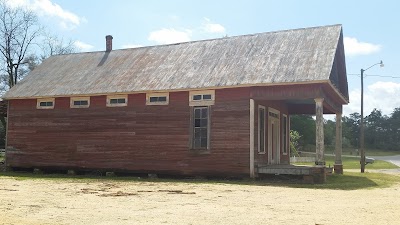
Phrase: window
(117, 100)
(202, 98)
(285, 135)
(157, 98)
(45, 103)
(80, 102)
(201, 129)
(261, 129)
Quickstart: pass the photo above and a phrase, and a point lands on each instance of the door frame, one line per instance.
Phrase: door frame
(274, 155)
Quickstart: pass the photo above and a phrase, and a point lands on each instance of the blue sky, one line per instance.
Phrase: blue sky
(370, 29)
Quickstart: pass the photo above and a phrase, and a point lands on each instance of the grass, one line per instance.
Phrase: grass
(355, 181)
(354, 163)
(348, 181)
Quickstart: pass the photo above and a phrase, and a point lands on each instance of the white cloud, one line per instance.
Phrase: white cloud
(169, 36)
(210, 27)
(354, 47)
(131, 46)
(381, 95)
(207, 29)
(83, 47)
(46, 8)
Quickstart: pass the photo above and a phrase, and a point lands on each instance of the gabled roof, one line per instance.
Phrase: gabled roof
(290, 56)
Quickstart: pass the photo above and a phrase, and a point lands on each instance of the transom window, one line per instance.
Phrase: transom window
(157, 98)
(80, 102)
(45, 103)
(200, 127)
(272, 114)
(202, 98)
(117, 100)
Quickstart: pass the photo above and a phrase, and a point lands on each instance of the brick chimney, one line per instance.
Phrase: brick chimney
(109, 43)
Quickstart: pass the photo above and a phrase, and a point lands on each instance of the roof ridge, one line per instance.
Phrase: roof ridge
(211, 39)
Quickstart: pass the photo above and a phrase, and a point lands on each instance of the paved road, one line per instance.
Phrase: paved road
(395, 159)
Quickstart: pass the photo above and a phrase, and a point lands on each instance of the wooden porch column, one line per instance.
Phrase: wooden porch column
(252, 172)
(319, 128)
(338, 167)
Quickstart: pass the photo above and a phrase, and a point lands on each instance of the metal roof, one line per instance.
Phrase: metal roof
(290, 56)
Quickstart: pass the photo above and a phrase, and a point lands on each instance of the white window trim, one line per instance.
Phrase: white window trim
(202, 102)
(109, 97)
(72, 99)
(284, 116)
(39, 100)
(260, 151)
(164, 94)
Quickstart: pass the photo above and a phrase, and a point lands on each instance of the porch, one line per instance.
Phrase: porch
(310, 174)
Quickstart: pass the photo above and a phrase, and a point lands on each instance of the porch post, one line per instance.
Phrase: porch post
(252, 174)
(338, 167)
(319, 128)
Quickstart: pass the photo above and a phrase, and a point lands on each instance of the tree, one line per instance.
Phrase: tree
(52, 45)
(19, 27)
(305, 126)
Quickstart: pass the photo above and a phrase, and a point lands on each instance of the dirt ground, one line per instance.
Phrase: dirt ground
(40, 201)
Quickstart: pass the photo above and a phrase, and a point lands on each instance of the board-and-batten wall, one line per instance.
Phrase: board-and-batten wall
(135, 138)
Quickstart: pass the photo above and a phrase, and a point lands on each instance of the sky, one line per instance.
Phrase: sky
(371, 30)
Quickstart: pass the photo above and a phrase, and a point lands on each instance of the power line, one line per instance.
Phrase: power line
(374, 75)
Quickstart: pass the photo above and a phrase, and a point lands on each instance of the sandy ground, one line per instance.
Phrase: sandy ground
(38, 201)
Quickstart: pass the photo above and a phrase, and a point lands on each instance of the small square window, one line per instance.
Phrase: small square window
(197, 97)
(206, 97)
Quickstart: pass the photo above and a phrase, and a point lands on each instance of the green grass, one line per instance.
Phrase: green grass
(348, 181)
(355, 181)
(354, 163)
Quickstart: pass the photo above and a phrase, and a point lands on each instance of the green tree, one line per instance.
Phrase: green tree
(305, 126)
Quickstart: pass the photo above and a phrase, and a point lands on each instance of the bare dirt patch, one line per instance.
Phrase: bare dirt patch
(45, 201)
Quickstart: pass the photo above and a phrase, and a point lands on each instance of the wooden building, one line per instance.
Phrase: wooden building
(212, 107)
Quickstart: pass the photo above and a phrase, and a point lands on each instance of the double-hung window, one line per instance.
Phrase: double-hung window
(201, 102)
(201, 127)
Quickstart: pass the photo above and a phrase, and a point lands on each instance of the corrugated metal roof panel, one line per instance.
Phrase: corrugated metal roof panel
(301, 55)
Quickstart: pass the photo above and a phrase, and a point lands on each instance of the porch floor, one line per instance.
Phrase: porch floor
(285, 169)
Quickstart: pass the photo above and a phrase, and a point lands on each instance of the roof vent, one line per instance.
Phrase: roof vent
(109, 43)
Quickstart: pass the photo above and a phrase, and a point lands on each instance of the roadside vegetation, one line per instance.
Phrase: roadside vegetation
(354, 163)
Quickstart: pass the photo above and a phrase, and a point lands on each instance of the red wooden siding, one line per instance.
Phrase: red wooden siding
(140, 138)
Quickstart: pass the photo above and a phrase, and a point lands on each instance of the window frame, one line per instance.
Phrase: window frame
(260, 151)
(163, 94)
(285, 135)
(202, 101)
(73, 99)
(193, 128)
(39, 100)
(110, 97)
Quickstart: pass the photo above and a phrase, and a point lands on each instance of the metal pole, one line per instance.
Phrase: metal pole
(362, 150)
